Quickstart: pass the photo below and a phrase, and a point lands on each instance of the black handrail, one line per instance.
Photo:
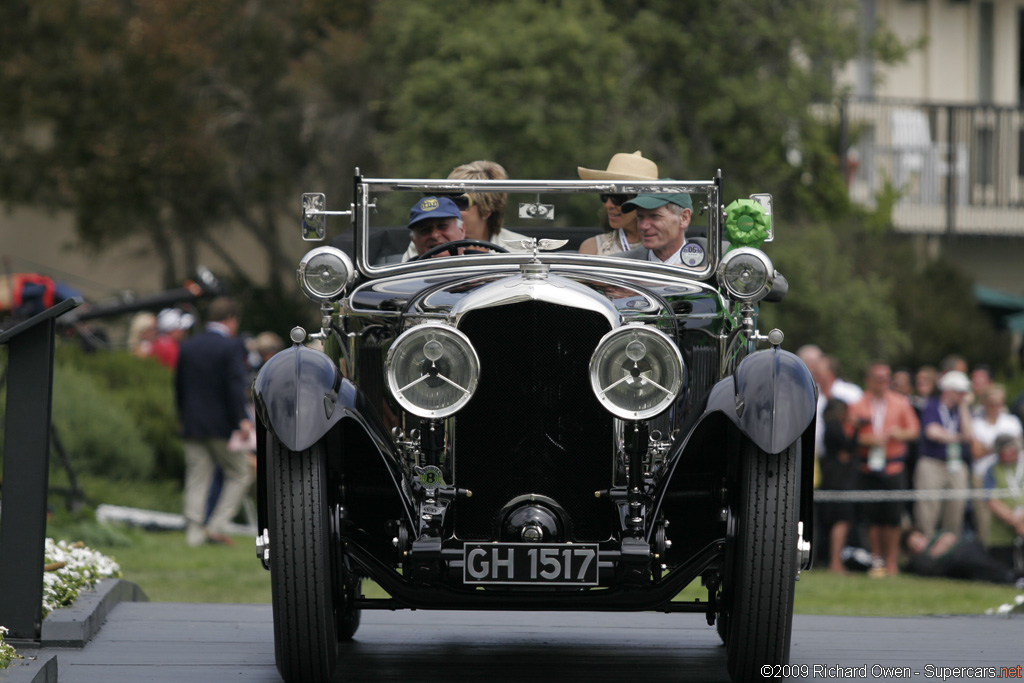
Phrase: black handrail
(26, 469)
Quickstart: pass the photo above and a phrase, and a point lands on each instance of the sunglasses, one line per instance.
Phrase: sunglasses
(617, 199)
(463, 201)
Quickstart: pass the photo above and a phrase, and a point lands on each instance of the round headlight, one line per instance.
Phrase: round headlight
(432, 370)
(747, 274)
(636, 372)
(324, 273)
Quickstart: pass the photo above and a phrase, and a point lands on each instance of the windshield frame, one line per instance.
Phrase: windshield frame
(707, 196)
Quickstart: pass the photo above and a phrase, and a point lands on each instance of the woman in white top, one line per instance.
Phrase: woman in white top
(621, 231)
(994, 420)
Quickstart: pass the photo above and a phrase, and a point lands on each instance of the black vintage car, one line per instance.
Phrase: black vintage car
(529, 428)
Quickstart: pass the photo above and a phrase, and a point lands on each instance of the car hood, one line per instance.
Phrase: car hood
(612, 294)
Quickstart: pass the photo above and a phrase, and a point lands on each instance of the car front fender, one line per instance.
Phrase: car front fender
(300, 397)
(771, 398)
(297, 394)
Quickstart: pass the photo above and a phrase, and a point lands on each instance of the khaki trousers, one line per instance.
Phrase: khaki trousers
(201, 458)
(930, 473)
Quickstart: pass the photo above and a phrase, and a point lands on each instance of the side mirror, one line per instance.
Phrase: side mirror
(314, 220)
(765, 200)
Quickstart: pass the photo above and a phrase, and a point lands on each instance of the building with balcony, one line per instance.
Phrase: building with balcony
(945, 129)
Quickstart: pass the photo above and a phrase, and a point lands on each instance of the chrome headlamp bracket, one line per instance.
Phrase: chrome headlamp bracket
(747, 274)
(324, 273)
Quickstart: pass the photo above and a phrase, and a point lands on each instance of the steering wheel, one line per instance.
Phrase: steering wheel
(453, 247)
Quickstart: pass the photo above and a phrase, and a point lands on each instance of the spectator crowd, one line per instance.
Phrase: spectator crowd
(923, 465)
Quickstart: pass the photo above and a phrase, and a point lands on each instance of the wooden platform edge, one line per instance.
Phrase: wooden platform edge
(74, 626)
(31, 669)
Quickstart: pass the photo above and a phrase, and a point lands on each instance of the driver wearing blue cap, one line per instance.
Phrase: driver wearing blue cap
(434, 221)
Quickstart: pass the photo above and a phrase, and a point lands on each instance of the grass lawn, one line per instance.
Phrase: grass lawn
(821, 592)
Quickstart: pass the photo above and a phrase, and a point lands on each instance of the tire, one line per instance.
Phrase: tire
(759, 626)
(312, 591)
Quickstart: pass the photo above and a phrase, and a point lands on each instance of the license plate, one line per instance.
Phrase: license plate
(552, 564)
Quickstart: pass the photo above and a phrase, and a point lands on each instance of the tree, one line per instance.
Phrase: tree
(736, 85)
(859, 291)
(543, 87)
(941, 315)
(166, 117)
(834, 302)
(539, 87)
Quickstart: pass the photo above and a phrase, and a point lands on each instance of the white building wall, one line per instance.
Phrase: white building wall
(946, 68)
(946, 71)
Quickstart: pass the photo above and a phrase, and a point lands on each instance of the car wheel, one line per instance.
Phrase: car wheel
(312, 592)
(763, 573)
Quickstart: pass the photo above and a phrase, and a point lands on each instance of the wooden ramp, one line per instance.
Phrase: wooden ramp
(213, 643)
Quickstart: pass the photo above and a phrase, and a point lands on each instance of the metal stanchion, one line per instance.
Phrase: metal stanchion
(26, 470)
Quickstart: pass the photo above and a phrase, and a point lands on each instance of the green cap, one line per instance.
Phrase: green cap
(653, 201)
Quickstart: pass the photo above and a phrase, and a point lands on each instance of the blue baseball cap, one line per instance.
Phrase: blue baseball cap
(433, 207)
(653, 201)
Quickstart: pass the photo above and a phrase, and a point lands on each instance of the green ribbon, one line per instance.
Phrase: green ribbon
(747, 223)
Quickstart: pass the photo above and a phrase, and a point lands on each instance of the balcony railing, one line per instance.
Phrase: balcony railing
(959, 169)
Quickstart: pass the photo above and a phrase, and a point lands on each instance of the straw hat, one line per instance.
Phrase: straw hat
(623, 167)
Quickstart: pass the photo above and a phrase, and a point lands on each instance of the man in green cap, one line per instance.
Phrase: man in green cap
(662, 220)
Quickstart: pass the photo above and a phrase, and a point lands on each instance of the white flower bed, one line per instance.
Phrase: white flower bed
(1017, 607)
(70, 569)
(7, 652)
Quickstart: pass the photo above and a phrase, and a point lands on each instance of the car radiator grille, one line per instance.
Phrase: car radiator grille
(703, 372)
(371, 381)
(534, 425)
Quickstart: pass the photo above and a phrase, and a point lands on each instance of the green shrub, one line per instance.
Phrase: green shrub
(144, 388)
(100, 436)
(114, 414)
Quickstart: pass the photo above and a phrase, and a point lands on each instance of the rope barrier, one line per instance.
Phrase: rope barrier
(831, 496)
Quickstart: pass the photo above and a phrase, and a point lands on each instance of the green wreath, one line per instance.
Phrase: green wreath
(747, 223)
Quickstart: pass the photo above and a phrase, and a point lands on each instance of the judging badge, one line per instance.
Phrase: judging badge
(876, 459)
(954, 461)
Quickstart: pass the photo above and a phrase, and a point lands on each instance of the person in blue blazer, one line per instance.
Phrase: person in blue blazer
(210, 395)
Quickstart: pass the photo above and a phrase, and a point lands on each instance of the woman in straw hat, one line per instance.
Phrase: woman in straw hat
(622, 233)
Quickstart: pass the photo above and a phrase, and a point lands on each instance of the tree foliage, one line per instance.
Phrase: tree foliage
(539, 87)
(831, 302)
(544, 87)
(862, 294)
(164, 117)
